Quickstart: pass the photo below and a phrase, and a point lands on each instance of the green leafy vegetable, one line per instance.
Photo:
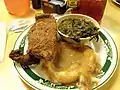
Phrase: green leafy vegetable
(78, 28)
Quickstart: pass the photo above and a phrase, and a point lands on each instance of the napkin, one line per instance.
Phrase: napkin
(3, 36)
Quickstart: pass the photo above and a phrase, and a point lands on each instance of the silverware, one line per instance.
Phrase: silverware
(20, 25)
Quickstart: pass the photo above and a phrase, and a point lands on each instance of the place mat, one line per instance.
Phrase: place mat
(3, 37)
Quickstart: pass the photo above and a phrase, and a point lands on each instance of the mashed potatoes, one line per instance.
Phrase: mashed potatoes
(73, 64)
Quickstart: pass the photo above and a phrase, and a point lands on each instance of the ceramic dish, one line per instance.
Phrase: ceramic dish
(105, 47)
(116, 2)
(75, 16)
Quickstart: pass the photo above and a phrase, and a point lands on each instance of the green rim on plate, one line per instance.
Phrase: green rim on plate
(108, 68)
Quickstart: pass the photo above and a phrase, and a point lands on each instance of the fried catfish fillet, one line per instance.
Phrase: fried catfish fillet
(42, 43)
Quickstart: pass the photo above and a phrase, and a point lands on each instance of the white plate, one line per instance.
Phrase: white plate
(105, 47)
(116, 2)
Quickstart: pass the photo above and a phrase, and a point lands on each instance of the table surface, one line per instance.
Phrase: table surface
(9, 79)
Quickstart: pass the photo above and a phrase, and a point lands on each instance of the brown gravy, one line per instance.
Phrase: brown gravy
(71, 61)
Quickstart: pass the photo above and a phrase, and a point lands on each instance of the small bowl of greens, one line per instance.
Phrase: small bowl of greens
(77, 28)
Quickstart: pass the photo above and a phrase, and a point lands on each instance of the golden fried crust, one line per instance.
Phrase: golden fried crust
(42, 39)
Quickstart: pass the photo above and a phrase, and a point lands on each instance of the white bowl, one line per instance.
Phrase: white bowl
(76, 16)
